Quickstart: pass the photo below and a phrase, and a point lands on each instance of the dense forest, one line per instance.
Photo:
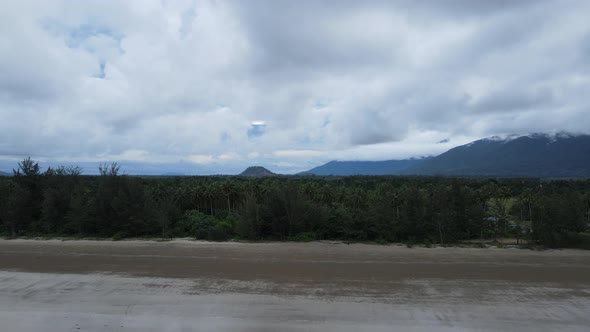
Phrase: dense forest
(429, 210)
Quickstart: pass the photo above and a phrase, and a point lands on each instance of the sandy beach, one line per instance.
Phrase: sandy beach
(186, 285)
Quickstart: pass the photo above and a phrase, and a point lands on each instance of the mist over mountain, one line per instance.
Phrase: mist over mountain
(560, 155)
(535, 155)
(344, 168)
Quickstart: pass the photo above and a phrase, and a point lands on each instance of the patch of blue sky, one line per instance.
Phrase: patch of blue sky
(225, 137)
(79, 34)
(75, 36)
(101, 73)
(256, 129)
(319, 104)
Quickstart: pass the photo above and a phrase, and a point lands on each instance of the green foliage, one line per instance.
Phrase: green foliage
(221, 231)
(580, 241)
(119, 236)
(80, 218)
(15, 210)
(27, 168)
(413, 210)
(304, 237)
(196, 224)
(205, 227)
(251, 217)
(558, 219)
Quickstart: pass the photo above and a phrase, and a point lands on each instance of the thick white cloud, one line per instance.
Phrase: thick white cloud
(285, 84)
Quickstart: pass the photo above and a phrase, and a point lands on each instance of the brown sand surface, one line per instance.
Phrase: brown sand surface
(187, 285)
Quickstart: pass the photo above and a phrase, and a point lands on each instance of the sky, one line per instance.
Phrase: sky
(214, 86)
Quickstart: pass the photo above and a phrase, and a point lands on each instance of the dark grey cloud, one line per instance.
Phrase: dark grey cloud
(514, 100)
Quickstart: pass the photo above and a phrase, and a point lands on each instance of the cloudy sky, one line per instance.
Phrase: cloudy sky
(213, 86)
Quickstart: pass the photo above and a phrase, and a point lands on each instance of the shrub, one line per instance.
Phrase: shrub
(119, 236)
(221, 231)
(381, 241)
(205, 227)
(197, 224)
(304, 237)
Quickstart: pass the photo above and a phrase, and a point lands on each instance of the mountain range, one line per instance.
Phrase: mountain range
(344, 168)
(536, 155)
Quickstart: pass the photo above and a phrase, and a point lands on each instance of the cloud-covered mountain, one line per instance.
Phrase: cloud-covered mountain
(536, 155)
(343, 168)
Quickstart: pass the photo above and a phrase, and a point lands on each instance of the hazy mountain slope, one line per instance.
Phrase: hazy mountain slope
(343, 168)
(4, 174)
(535, 155)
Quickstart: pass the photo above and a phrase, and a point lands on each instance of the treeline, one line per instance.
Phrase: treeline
(382, 209)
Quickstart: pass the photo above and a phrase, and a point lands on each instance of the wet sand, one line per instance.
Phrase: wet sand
(185, 286)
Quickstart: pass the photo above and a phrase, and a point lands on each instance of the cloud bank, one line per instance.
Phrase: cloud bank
(285, 84)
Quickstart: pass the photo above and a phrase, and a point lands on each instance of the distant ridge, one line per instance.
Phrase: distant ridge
(561, 155)
(257, 171)
(345, 168)
(537, 155)
(4, 174)
(173, 174)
